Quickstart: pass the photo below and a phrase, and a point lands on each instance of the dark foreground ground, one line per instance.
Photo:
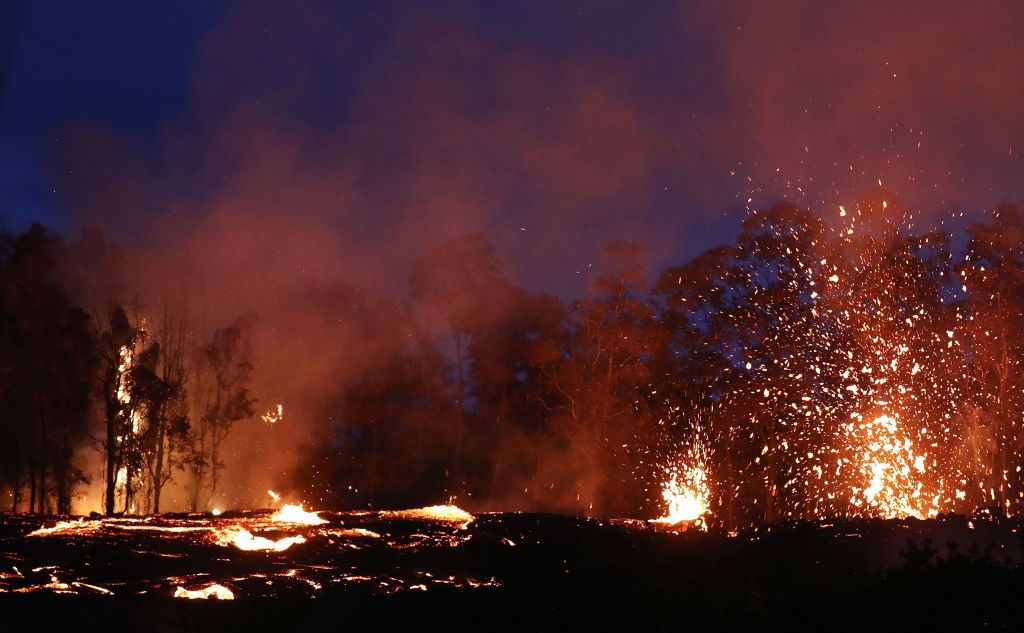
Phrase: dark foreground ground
(510, 572)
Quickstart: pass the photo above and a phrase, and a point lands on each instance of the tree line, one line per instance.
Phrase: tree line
(822, 368)
(151, 402)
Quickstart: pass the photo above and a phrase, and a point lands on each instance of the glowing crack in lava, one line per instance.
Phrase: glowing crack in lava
(290, 513)
(893, 473)
(245, 540)
(217, 591)
(686, 493)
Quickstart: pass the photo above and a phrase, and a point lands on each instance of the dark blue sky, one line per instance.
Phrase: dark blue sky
(120, 63)
(552, 126)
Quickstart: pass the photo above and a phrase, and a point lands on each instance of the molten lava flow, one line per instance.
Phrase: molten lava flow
(354, 533)
(219, 592)
(245, 540)
(440, 514)
(78, 526)
(687, 495)
(290, 513)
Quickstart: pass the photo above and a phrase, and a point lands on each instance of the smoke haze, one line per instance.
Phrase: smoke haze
(321, 145)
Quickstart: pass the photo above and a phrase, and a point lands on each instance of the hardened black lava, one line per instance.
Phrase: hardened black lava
(501, 571)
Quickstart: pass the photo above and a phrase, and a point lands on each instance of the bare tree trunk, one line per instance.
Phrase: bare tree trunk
(32, 481)
(42, 468)
(195, 487)
(730, 503)
(16, 492)
(215, 441)
(459, 415)
(498, 443)
(769, 492)
(158, 471)
(214, 470)
(128, 490)
(110, 478)
(373, 464)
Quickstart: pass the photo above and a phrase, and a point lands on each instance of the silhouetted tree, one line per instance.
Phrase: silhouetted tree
(602, 381)
(47, 349)
(227, 400)
(458, 280)
(384, 442)
(992, 277)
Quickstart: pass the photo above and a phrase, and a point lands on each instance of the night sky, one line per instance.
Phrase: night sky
(554, 127)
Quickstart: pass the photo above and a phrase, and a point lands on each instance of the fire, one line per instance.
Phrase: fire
(219, 592)
(687, 496)
(245, 540)
(290, 513)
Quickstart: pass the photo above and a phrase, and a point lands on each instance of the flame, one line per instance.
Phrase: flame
(290, 513)
(245, 540)
(219, 592)
(274, 496)
(687, 496)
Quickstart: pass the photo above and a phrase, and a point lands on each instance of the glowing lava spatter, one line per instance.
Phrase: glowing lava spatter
(893, 472)
(273, 415)
(291, 513)
(687, 495)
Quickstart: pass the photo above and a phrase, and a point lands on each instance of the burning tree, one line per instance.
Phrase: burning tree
(119, 344)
